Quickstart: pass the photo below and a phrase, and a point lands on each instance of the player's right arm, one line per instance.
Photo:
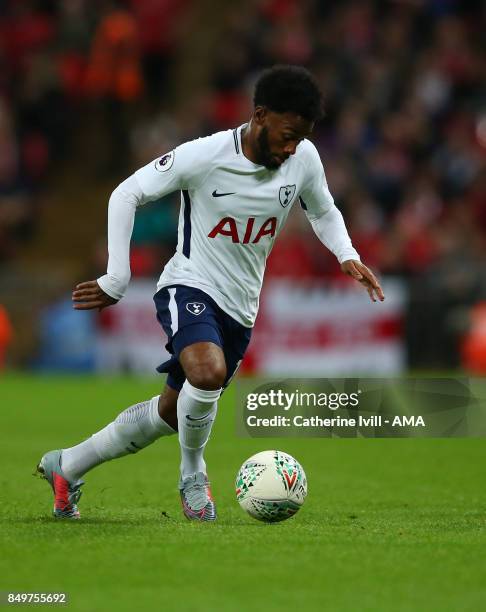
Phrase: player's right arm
(111, 287)
(171, 172)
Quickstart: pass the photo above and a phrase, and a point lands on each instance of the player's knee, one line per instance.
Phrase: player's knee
(208, 376)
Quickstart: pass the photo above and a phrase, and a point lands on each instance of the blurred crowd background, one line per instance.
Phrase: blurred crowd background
(89, 91)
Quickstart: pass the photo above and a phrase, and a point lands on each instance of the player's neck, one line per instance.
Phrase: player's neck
(248, 143)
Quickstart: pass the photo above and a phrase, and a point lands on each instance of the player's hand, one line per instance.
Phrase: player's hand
(89, 295)
(365, 276)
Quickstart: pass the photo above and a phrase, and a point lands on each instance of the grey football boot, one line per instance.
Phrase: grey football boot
(196, 498)
(66, 493)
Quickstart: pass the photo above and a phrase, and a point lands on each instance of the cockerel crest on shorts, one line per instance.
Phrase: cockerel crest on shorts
(196, 308)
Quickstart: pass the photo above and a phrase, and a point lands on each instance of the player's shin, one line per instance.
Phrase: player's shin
(196, 411)
(133, 429)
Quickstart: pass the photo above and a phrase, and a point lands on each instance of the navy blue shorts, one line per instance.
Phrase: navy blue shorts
(188, 316)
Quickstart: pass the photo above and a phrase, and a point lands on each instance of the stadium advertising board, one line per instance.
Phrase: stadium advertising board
(331, 329)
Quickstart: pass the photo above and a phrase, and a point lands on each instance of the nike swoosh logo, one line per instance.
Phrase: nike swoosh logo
(220, 195)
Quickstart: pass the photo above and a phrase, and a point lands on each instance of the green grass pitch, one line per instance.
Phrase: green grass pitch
(387, 525)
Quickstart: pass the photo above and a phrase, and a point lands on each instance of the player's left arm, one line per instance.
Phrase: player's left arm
(328, 224)
(361, 273)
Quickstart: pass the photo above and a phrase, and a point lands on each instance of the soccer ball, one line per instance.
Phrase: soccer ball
(271, 486)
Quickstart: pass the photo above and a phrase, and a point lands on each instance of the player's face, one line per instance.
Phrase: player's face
(279, 135)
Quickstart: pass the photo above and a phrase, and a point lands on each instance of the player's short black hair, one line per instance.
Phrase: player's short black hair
(289, 89)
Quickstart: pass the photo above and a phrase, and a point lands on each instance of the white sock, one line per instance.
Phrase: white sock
(196, 411)
(133, 429)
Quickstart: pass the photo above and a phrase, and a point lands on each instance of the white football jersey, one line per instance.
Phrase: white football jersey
(232, 210)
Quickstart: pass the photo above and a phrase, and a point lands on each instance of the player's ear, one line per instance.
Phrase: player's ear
(259, 115)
